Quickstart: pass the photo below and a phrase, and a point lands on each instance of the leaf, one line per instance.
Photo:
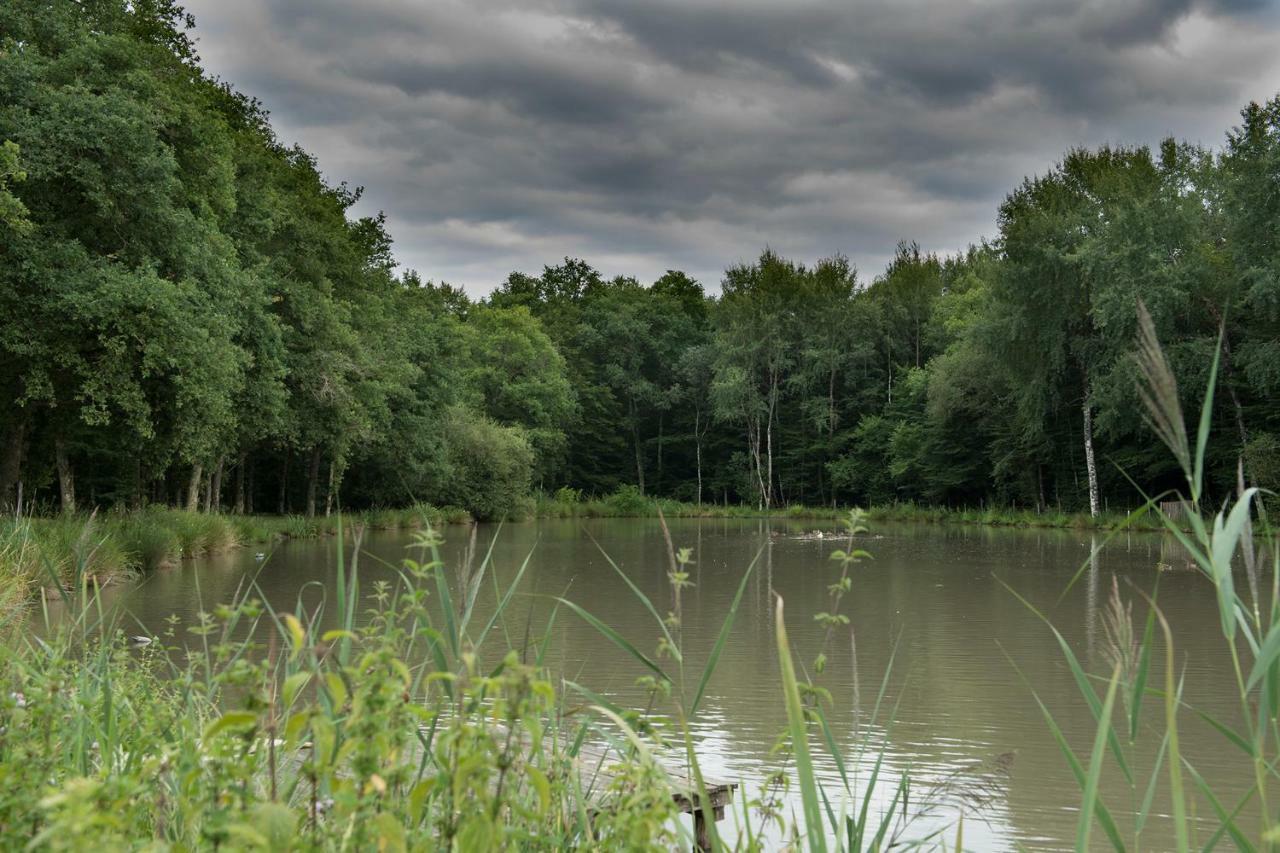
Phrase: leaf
(723, 638)
(276, 823)
(337, 689)
(815, 837)
(1094, 775)
(230, 720)
(293, 685)
(644, 600)
(540, 785)
(616, 638)
(323, 738)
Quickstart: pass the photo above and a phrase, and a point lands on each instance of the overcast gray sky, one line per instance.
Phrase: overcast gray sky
(688, 134)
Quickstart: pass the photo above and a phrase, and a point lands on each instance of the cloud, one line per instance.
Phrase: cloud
(690, 133)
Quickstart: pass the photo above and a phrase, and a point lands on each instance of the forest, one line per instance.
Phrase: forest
(191, 315)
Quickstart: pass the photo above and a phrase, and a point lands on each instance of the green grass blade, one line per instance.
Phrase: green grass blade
(1082, 683)
(1226, 820)
(1144, 668)
(473, 592)
(615, 638)
(1089, 802)
(800, 740)
(1172, 698)
(1206, 418)
(643, 599)
(723, 638)
(1144, 811)
(1077, 770)
(506, 599)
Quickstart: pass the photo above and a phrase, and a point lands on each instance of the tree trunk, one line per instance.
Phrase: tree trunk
(635, 440)
(1090, 465)
(215, 488)
(753, 444)
(635, 443)
(657, 482)
(1228, 372)
(831, 405)
(284, 483)
(248, 492)
(768, 433)
(697, 448)
(11, 464)
(239, 505)
(313, 475)
(328, 495)
(193, 488)
(66, 477)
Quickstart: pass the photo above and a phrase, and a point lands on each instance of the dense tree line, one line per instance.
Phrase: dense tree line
(189, 315)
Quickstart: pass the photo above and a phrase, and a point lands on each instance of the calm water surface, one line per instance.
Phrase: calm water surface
(965, 725)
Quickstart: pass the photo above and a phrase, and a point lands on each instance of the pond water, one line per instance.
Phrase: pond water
(929, 609)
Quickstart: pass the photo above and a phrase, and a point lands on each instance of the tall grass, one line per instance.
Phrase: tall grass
(46, 551)
(1249, 620)
(628, 502)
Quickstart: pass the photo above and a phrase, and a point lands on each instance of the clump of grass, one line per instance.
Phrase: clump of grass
(151, 541)
(253, 529)
(201, 533)
(60, 551)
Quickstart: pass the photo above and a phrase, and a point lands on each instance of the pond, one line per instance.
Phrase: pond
(957, 653)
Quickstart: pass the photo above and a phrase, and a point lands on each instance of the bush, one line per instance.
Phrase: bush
(567, 495)
(490, 465)
(629, 500)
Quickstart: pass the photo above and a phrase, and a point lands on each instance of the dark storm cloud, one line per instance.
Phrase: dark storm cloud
(690, 133)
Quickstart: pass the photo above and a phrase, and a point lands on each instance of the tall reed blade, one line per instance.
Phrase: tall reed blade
(815, 836)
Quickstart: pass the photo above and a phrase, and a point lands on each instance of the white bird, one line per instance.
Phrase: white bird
(141, 640)
(259, 556)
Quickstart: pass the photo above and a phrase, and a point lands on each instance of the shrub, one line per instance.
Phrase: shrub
(567, 495)
(491, 466)
(629, 500)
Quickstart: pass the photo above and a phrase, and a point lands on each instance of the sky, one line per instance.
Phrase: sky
(690, 134)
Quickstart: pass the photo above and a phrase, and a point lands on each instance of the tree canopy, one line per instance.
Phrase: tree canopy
(190, 313)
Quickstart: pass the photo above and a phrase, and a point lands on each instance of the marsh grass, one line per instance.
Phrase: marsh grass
(47, 551)
(627, 502)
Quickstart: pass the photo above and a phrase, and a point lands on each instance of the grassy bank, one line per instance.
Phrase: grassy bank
(107, 546)
(627, 502)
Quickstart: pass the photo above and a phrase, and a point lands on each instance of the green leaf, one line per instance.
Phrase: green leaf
(815, 837)
(723, 637)
(230, 720)
(644, 600)
(293, 685)
(1206, 418)
(1089, 802)
(615, 638)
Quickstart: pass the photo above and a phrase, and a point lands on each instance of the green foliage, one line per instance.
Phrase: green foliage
(190, 315)
(628, 500)
(490, 465)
